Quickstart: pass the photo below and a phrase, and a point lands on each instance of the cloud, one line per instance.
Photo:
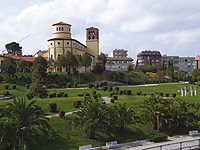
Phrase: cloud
(170, 26)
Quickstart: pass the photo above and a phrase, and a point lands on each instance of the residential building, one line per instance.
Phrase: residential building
(180, 63)
(149, 57)
(119, 61)
(119, 53)
(40, 53)
(62, 42)
(197, 62)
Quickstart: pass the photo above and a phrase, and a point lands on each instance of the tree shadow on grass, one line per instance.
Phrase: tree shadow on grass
(52, 142)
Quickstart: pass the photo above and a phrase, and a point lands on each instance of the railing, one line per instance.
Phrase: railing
(175, 146)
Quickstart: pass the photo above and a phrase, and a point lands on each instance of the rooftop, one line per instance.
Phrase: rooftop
(61, 23)
(119, 59)
(149, 53)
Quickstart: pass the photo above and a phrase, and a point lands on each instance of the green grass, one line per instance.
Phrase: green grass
(77, 137)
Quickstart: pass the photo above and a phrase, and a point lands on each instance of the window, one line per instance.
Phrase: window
(58, 43)
(59, 54)
(51, 44)
(51, 56)
(93, 37)
(89, 37)
(69, 29)
(68, 43)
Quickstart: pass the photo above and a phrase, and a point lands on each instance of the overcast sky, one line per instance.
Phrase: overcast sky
(171, 26)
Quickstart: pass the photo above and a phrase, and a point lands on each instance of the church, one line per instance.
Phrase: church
(62, 42)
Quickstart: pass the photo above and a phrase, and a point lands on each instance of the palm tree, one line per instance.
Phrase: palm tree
(27, 115)
(93, 117)
(123, 115)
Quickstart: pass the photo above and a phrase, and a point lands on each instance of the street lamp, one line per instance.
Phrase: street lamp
(22, 129)
(157, 121)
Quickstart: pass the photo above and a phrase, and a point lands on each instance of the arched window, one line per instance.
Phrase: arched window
(89, 37)
(93, 37)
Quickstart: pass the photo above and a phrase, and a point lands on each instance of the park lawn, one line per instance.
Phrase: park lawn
(164, 88)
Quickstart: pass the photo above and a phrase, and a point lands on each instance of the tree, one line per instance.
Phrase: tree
(9, 66)
(123, 115)
(50, 63)
(23, 65)
(40, 64)
(130, 68)
(181, 75)
(86, 60)
(196, 74)
(100, 65)
(19, 114)
(70, 60)
(13, 48)
(93, 117)
(61, 62)
(37, 87)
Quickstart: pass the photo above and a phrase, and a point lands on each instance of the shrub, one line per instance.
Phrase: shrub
(62, 114)
(152, 94)
(109, 88)
(112, 100)
(65, 95)
(80, 95)
(62, 94)
(52, 107)
(69, 85)
(128, 92)
(111, 94)
(6, 93)
(99, 95)
(87, 94)
(117, 88)
(52, 85)
(158, 138)
(77, 104)
(139, 93)
(94, 92)
(27, 86)
(115, 97)
(124, 92)
(59, 95)
(167, 95)
(174, 95)
(104, 88)
(121, 92)
(161, 94)
(90, 85)
(14, 86)
(6, 86)
(96, 86)
(145, 94)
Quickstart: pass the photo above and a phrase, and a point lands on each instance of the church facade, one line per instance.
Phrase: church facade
(62, 42)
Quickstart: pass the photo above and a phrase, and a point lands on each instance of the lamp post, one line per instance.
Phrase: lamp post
(22, 129)
(158, 121)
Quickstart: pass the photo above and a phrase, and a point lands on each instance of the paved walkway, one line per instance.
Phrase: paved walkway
(146, 144)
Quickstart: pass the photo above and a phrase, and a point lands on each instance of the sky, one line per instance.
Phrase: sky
(170, 26)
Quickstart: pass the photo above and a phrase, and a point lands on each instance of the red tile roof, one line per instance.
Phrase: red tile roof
(61, 23)
(91, 28)
(119, 59)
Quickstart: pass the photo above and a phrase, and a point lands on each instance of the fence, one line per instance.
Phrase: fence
(189, 144)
